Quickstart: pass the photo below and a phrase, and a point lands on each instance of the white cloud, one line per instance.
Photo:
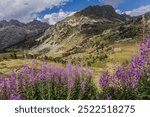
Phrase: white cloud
(139, 11)
(119, 11)
(56, 17)
(25, 10)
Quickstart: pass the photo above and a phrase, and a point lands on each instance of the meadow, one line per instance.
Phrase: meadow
(36, 80)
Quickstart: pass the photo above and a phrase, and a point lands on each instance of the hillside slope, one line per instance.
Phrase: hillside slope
(89, 31)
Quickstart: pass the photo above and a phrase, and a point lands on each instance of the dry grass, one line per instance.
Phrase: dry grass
(8, 66)
(115, 59)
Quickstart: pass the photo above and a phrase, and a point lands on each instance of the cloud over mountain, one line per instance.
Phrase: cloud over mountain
(56, 17)
(25, 10)
(139, 11)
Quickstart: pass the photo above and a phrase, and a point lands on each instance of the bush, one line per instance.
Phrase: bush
(103, 57)
(13, 55)
(125, 63)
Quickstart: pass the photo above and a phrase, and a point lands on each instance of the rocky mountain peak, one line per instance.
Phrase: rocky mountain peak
(96, 12)
(15, 23)
(3, 21)
(37, 24)
(34, 22)
(12, 22)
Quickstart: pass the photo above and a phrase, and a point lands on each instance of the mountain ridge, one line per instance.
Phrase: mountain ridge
(12, 32)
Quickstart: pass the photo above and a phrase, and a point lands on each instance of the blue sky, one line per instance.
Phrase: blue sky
(131, 7)
(76, 5)
(132, 4)
(52, 11)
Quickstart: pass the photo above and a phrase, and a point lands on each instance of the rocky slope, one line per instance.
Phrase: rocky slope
(13, 32)
(77, 29)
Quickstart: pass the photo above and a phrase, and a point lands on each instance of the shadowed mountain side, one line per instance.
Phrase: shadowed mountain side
(13, 32)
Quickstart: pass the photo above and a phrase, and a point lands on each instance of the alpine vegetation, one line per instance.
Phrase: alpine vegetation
(42, 81)
(132, 82)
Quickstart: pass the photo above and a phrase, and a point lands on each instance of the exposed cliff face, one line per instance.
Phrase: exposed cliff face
(77, 28)
(13, 32)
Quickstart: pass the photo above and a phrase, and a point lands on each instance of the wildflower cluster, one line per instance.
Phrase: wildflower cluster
(125, 82)
(43, 81)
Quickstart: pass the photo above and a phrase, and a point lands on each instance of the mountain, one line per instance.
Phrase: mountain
(87, 35)
(79, 28)
(96, 36)
(13, 32)
(99, 12)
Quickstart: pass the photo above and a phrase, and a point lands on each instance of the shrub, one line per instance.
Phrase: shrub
(125, 63)
(103, 57)
(13, 55)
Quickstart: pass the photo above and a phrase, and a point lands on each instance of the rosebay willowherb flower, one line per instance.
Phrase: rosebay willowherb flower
(15, 97)
(44, 81)
(128, 78)
(41, 75)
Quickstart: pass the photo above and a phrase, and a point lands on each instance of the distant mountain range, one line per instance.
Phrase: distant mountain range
(89, 28)
(13, 32)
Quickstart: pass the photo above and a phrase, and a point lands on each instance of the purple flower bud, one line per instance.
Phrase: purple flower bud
(104, 80)
(109, 98)
(15, 97)
(83, 84)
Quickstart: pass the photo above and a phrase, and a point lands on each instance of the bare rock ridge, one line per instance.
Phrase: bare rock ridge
(13, 32)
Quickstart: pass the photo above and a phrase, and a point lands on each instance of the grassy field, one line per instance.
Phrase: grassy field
(121, 54)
